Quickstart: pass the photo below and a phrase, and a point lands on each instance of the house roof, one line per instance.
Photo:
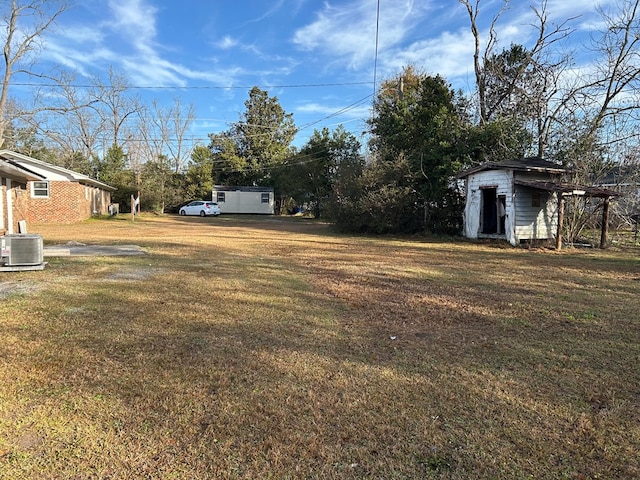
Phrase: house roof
(529, 164)
(29, 164)
(624, 174)
(16, 172)
(568, 189)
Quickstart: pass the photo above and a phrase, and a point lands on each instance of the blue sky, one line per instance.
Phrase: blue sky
(317, 57)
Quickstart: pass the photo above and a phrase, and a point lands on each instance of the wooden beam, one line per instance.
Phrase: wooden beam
(605, 222)
(560, 221)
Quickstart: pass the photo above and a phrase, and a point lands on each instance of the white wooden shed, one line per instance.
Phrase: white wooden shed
(523, 200)
(255, 200)
(501, 202)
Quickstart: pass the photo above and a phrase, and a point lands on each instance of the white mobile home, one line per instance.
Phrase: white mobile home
(254, 200)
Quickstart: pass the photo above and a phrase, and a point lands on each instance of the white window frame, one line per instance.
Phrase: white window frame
(46, 189)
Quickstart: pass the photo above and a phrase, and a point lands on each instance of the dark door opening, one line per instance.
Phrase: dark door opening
(489, 211)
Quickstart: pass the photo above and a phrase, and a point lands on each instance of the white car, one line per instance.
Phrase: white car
(200, 207)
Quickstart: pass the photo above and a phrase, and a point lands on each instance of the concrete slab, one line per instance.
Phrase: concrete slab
(82, 250)
(22, 268)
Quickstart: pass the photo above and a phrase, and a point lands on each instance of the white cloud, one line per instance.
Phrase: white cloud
(449, 47)
(449, 55)
(560, 10)
(135, 20)
(126, 39)
(227, 42)
(84, 35)
(348, 32)
(272, 10)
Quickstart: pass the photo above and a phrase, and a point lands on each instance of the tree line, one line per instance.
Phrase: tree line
(529, 100)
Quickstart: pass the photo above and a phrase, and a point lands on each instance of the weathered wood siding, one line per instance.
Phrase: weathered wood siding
(535, 222)
(502, 181)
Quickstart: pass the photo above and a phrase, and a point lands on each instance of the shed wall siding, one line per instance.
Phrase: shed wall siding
(501, 180)
(535, 223)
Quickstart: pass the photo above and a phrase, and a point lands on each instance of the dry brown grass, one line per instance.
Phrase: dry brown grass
(265, 348)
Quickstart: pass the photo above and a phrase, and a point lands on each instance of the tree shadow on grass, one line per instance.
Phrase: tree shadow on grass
(344, 364)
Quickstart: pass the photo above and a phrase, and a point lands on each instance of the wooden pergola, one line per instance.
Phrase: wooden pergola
(564, 190)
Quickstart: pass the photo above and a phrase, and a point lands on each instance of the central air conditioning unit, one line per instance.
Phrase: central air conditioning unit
(22, 249)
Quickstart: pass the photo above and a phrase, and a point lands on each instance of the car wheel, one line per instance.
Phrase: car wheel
(202, 214)
(182, 212)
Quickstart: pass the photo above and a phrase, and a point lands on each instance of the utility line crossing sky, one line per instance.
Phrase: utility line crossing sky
(318, 58)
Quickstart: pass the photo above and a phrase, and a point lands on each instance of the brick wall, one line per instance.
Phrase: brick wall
(68, 202)
(20, 200)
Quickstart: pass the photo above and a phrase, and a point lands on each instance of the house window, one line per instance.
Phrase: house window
(220, 197)
(40, 189)
(535, 199)
(264, 198)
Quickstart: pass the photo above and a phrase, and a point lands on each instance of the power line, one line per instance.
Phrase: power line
(335, 114)
(197, 139)
(200, 87)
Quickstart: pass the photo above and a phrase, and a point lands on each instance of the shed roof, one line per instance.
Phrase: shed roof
(568, 188)
(529, 164)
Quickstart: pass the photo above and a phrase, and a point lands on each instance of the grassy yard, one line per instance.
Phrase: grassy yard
(249, 348)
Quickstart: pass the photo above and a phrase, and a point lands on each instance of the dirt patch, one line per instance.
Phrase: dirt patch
(134, 274)
(19, 288)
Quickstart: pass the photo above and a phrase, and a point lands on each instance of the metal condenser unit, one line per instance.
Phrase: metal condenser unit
(21, 249)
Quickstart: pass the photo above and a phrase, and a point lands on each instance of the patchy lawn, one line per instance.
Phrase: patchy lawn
(244, 347)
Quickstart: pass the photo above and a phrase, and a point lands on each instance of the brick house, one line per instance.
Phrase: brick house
(39, 192)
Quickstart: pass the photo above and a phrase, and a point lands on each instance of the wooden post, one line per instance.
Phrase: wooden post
(605, 222)
(560, 221)
(135, 206)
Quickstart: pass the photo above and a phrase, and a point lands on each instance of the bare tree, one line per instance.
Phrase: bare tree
(25, 22)
(165, 132)
(69, 119)
(480, 58)
(531, 77)
(180, 119)
(162, 135)
(116, 108)
(614, 87)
